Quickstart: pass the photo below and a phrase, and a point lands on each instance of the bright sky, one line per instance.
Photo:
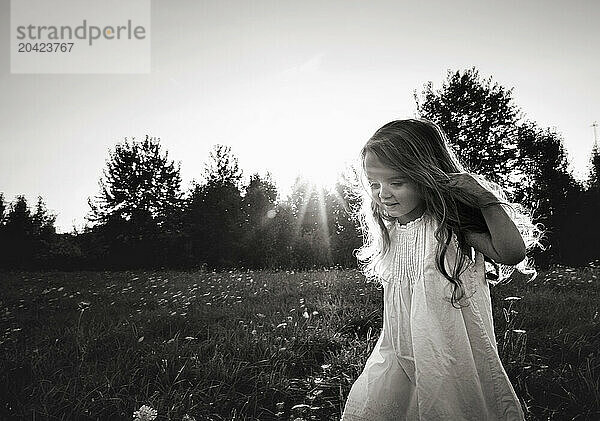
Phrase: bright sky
(292, 86)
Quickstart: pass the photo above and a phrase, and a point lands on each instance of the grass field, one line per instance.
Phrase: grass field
(259, 345)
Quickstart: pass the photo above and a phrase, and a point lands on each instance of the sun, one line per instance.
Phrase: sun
(320, 178)
(321, 172)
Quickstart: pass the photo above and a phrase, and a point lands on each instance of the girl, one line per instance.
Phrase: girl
(422, 214)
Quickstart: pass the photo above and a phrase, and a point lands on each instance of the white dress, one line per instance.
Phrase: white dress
(432, 361)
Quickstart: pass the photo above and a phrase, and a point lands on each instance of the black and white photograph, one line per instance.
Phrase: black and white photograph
(294, 210)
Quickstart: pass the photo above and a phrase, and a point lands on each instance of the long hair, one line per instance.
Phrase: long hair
(419, 149)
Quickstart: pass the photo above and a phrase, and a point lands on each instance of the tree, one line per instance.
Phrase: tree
(547, 186)
(480, 120)
(213, 212)
(222, 167)
(586, 226)
(18, 243)
(139, 182)
(594, 169)
(259, 235)
(19, 218)
(259, 198)
(312, 228)
(488, 133)
(27, 240)
(43, 220)
(344, 202)
(2, 209)
(137, 212)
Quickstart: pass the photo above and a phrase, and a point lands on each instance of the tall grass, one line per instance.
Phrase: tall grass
(259, 345)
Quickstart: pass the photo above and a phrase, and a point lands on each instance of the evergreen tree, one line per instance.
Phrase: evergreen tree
(19, 220)
(213, 214)
(43, 220)
(594, 169)
(259, 204)
(18, 245)
(586, 231)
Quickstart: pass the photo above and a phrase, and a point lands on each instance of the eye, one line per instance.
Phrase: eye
(373, 185)
(397, 183)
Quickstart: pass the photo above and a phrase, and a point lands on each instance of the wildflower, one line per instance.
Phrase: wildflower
(187, 417)
(518, 331)
(512, 298)
(145, 413)
(282, 325)
(305, 314)
(83, 305)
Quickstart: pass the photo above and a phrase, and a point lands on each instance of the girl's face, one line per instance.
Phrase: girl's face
(392, 191)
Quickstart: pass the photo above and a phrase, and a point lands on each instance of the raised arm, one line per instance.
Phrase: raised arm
(503, 243)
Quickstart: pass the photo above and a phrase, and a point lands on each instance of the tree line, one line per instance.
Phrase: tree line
(141, 217)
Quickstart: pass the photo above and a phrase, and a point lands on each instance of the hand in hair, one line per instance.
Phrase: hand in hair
(503, 243)
(469, 184)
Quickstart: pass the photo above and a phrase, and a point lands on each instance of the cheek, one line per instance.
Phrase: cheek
(416, 197)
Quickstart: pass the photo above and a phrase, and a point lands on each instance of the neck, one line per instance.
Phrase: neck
(412, 215)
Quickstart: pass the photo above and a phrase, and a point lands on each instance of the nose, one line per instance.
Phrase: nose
(383, 192)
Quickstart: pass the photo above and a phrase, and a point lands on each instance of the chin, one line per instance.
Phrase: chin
(396, 214)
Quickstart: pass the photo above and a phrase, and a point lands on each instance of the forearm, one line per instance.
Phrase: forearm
(505, 237)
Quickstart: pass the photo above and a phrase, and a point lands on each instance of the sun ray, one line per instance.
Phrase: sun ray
(324, 222)
(307, 190)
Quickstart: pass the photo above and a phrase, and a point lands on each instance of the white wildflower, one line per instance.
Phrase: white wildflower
(145, 413)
